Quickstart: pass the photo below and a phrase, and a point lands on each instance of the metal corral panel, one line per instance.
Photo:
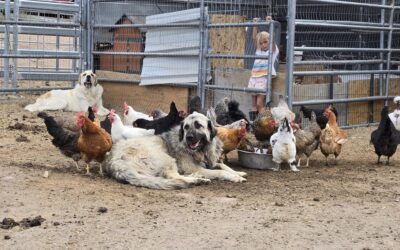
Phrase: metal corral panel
(161, 70)
(307, 92)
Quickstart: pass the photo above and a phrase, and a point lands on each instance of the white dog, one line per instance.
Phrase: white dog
(86, 93)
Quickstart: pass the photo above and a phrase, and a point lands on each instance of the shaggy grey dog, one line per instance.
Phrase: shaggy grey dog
(187, 155)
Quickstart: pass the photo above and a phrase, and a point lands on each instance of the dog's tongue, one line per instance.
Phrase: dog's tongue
(194, 145)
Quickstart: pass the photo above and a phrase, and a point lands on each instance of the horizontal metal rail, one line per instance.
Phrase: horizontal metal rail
(317, 23)
(341, 49)
(344, 72)
(342, 100)
(235, 56)
(348, 22)
(338, 62)
(46, 76)
(45, 54)
(166, 25)
(45, 6)
(158, 54)
(30, 89)
(49, 31)
(352, 3)
(41, 24)
(246, 24)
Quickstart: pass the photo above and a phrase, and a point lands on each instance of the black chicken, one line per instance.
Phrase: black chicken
(105, 124)
(195, 105)
(386, 138)
(233, 114)
(322, 120)
(64, 139)
(163, 124)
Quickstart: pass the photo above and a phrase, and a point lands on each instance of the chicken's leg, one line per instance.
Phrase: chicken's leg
(87, 169)
(101, 169)
(326, 162)
(77, 166)
(379, 160)
(387, 162)
(308, 160)
(298, 162)
(293, 167)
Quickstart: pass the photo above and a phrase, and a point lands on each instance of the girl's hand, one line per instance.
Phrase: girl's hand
(268, 18)
(256, 19)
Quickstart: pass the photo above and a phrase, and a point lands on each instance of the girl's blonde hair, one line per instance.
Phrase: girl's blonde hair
(260, 36)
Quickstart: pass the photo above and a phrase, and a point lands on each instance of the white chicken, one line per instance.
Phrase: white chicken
(121, 132)
(282, 111)
(395, 115)
(283, 145)
(131, 115)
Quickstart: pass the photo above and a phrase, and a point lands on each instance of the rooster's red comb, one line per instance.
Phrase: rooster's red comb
(126, 106)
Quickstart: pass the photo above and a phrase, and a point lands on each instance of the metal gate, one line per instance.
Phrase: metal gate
(43, 44)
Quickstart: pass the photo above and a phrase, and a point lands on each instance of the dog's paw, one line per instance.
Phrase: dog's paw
(242, 174)
(204, 181)
(238, 179)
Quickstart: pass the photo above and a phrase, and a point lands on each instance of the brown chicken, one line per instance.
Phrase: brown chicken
(246, 145)
(332, 137)
(263, 127)
(93, 143)
(231, 137)
(307, 140)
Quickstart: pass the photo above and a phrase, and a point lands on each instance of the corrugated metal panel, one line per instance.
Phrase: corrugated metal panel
(162, 70)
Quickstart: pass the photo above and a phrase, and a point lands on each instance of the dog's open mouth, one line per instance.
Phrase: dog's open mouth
(88, 84)
(195, 146)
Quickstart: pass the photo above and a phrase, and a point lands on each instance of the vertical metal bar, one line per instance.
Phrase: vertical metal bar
(75, 41)
(371, 103)
(271, 31)
(58, 43)
(6, 45)
(389, 54)
(88, 36)
(200, 81)
(15, 43)
(290, 50)
(381, 45)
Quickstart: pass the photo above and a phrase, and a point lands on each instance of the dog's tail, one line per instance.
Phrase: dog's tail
(32, 107)
(127, 175)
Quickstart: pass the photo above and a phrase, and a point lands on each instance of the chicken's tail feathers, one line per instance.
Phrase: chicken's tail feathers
(126, 175)
(53, 128)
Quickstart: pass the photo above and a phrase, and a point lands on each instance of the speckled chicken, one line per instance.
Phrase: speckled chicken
(307, 140)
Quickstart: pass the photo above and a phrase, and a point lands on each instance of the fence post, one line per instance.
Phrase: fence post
(389, 54)
(201, 78)
(6, 46)
(15, 43)
(381, 46)
(270, 63)
(290, 50)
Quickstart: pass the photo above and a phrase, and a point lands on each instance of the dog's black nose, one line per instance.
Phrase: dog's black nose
(88, 78)
(189, 138)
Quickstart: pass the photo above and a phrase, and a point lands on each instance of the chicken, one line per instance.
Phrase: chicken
(385, 138)
(163, 124)
(233, 114)
(283, 145)
(395, 115)
(321, 119)
(63, 138)
(157, 113)
(105, 124)
(332, 137)
(131, 115)
(93, 143)
(195, 105)
(282, 111)
(263, 127)
(231, 137)
(307, 140)
(246, 145)
(222, 106)
(120, 132)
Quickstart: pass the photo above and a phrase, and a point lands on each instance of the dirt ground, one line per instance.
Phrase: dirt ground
(353, 205)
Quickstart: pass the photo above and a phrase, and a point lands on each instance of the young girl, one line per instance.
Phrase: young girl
(260, 70)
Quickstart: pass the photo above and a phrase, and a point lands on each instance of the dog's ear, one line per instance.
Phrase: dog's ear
(181, 132)
(213, 131)
(95, 79)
